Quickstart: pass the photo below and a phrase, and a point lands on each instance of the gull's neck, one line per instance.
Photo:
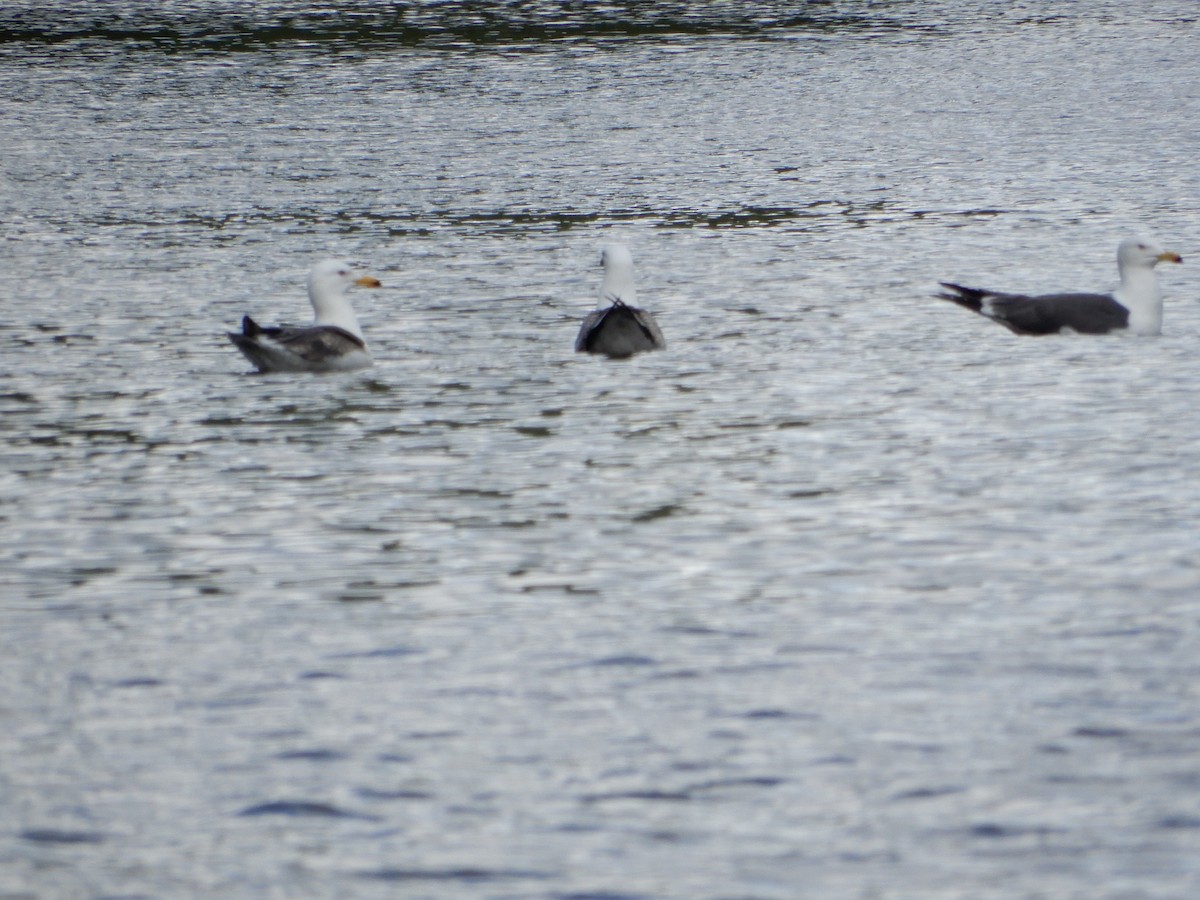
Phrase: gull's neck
(334, 309)
(1140, 294)
(618, 285)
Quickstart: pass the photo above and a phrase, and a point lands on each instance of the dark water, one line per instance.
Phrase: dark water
(848, 593)
(206, 25)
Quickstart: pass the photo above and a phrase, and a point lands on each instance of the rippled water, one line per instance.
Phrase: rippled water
(849, 593)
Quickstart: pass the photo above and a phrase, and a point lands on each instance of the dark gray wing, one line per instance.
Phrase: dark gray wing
(1043, 314)
(590, 321)
(294, 348)
(314, 343)
(619, 331)
(650, 329)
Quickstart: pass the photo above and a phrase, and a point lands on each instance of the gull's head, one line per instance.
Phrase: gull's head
(327, 285)
(333, 277)
(616, 258)
(1143, 253)
(618, 273)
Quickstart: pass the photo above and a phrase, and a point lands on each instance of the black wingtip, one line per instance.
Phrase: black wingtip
(250, 328)
(971, 298)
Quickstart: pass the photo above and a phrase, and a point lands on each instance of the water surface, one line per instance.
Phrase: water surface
(849, 593)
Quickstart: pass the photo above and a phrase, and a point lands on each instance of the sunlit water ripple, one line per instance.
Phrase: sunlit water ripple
(849, 593)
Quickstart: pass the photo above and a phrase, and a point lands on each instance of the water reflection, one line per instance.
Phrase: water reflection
(204, 25)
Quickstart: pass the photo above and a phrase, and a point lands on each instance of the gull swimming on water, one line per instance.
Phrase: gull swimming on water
(1136, 306)
(621, 329)
(332, 343)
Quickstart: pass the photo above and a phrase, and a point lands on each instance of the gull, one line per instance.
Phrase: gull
(620, 329)
(1136, 306)
(332, 343)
